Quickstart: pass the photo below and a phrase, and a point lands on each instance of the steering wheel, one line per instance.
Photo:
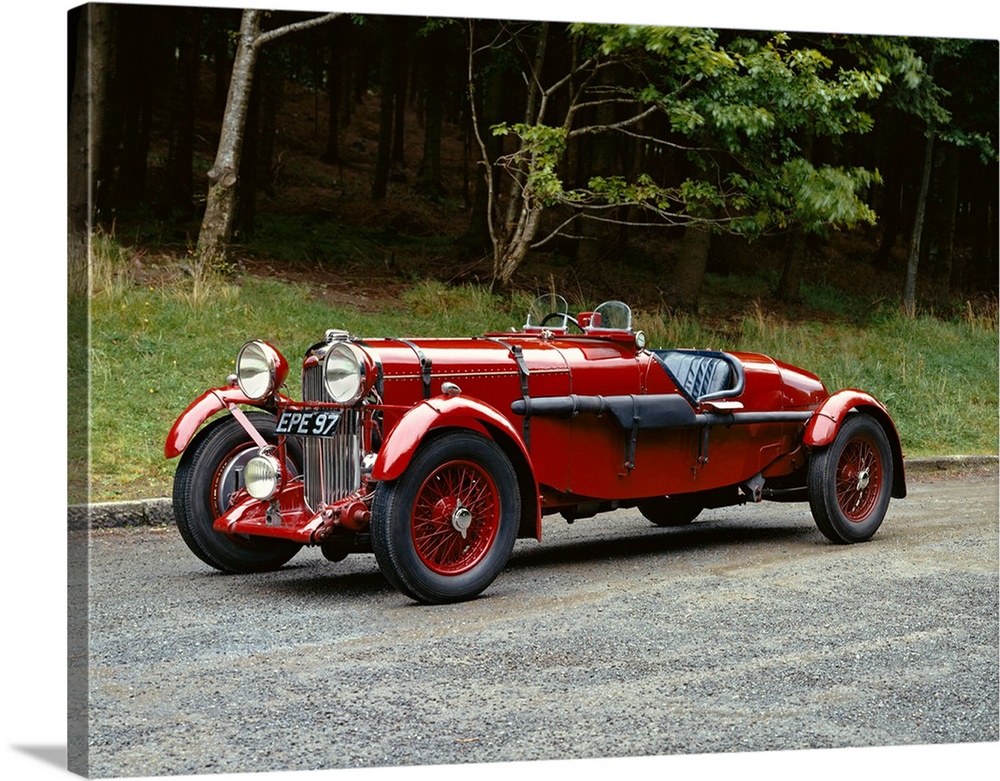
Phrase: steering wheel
(568, 318)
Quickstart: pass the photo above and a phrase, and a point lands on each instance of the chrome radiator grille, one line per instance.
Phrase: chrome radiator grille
(332, 464)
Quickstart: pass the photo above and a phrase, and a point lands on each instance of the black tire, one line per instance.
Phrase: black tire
(416, 519)
(850, 481)
(204, 480)
(669, 510)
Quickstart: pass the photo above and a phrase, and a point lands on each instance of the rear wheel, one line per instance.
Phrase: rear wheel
(207, 477)
(850, 481)
(444, 530)
(669, 510)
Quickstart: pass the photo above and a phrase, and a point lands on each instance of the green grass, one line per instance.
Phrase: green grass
(939, 379)
(155, 348)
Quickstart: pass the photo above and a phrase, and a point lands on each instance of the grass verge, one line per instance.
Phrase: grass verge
(155, 347)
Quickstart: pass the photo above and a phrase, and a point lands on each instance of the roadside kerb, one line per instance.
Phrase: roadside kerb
(159, 512)
(112, 515)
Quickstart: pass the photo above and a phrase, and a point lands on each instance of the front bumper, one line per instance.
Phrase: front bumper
(287, 517)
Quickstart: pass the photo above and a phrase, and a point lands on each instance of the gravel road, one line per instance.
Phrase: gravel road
(745, 631)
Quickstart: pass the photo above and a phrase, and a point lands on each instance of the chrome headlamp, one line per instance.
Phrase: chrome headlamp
(262, 476)
(344, 373)
(260, 369)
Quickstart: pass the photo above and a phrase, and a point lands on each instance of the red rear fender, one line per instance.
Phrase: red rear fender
(826, 422)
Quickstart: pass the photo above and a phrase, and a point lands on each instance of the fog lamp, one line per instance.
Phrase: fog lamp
(262, 476)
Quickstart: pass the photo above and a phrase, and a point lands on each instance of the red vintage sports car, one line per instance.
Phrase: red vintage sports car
(436, 454)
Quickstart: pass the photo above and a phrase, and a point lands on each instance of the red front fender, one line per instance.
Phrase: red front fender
(825, 423)
(452, 411)
(461, 412)
(200, 410)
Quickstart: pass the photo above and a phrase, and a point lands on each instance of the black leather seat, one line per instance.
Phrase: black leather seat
(702, 375)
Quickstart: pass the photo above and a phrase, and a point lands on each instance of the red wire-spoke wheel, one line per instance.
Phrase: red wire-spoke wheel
(444, 530)
(859, 477)
(456, 517)
(207, 476)
(850, 481)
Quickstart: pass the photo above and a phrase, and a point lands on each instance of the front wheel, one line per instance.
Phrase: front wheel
(206, 478)
(850, 481)
(444, 530)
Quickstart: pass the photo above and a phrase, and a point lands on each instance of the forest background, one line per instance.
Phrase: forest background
(827, 198)
(586, 150)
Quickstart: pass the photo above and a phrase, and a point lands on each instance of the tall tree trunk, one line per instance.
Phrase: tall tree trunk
(490, 99)
(429, 175)
(139, 74)
(981, 272)
(383, 161)
(891, 214)
(949, 215)
(271, 99)
(797, 248)
(515, 203)
(511, 253)
(689, 268)
(179, 189)
(92, 66)
(913, 256)
(334, 79)
(107, 162)
(400, 66)
(249, 173)
(594, 245)
(219, 38)
(892, 160)
(217, 224)
(691, 260)
(513, 234)
(796, 251)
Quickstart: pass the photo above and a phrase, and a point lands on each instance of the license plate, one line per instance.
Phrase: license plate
(309, 422)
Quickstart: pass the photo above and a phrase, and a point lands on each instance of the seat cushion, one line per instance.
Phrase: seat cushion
(700, 375)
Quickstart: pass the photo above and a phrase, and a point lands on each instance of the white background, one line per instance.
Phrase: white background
(33, 510)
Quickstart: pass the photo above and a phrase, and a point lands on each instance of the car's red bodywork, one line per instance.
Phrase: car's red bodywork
(588, 421)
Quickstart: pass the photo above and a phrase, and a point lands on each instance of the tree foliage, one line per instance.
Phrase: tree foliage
(738, 110)
(603, 134)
